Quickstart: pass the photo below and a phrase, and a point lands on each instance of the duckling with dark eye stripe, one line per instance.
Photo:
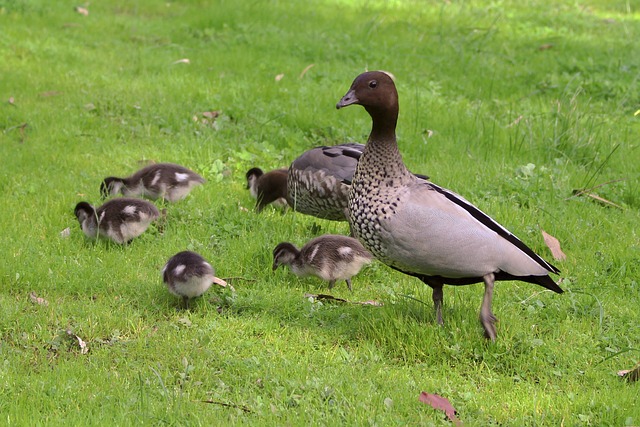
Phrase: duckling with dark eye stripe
(266, 188)
(189, 275)
(160, 181)
(120, 220)
(330, 257)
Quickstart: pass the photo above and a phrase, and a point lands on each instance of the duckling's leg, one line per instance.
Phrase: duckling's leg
(349, 284)
(331, 283)
(185, 303)
(487, 318)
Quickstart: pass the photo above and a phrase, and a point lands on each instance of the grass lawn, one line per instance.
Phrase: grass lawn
(512, 104)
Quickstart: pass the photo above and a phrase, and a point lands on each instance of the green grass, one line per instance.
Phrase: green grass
(101, 93)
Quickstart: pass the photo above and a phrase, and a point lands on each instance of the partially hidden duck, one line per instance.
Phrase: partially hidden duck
(267, 188)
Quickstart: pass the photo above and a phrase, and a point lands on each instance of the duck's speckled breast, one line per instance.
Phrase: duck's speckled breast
(378, 187)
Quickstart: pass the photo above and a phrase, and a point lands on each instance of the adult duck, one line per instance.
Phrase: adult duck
(424, 230)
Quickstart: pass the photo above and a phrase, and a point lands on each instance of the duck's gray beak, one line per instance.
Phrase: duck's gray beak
(349, 99)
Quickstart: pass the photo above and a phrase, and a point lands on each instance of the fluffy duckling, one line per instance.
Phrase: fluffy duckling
(120, 220)
(270, 187)
(424, 230)
(330, 257)
(163, 180)
(189, 275)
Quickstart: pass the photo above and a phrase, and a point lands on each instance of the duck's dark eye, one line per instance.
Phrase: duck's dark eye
(373, 84)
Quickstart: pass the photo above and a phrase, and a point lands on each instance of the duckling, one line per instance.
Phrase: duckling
(189, 275)
(270, 187)
(120, 220)
(163, 180)
(330, 257)
(422, 229)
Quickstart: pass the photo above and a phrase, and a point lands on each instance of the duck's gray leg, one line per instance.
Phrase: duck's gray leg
(436, 285)
(437, 302)
(331, 283)
(487, 318)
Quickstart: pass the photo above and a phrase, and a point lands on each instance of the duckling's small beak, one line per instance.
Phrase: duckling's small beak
(349, 99)
(274, 267)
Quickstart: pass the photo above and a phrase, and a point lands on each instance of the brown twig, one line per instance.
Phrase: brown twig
(229, 279)
(229, 405)
(577, 193)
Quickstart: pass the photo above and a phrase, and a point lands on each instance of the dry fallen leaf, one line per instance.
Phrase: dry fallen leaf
(207, 117)
(65, 233)
(554, 245)
(631, 375)
(37, 300)
(307, 68)
(279, 77)
(211, 114)
(545, 46)
(182, 61)
(50, 93)
(83, 345)
(23, 133)
(516, 121)
(11, 100)
(81, 10)
(441, 403)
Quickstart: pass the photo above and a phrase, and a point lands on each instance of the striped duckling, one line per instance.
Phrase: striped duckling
(188, 275)
(120, 220)
(330, 257)
(159, 181)
(424, 230)
(266, 188)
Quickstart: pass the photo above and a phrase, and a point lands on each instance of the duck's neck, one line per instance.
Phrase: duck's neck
(382, 151)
